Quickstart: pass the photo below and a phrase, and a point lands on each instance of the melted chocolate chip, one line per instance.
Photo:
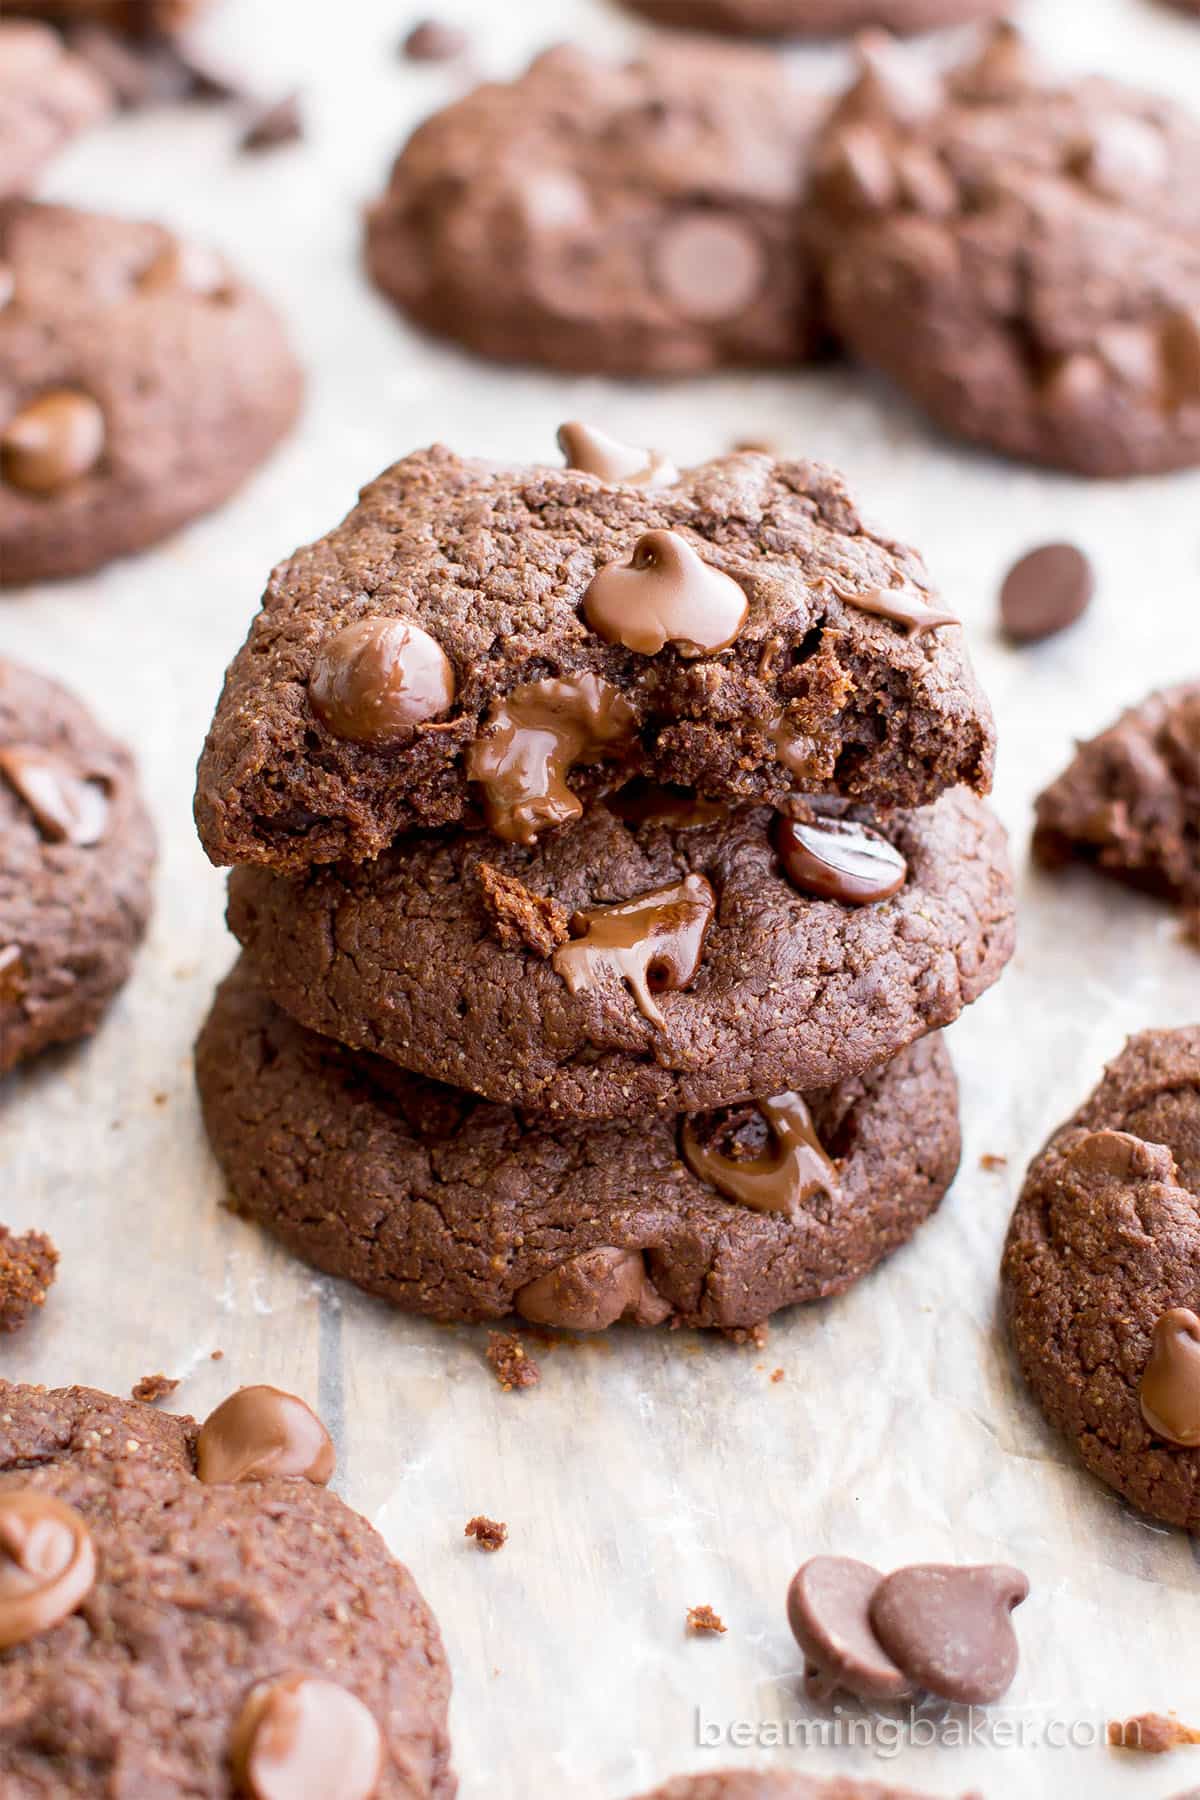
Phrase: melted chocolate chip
(591, 1291)
(531, 741)
(655, 943)
(52, 442)
(642, 802)
(903, 606)
(794, 1167)
(299, 1737)
(1047, 590)
(666, 593)
(47, 1563)
(261, 1432)
(709, 266)
(950, 1629)
(597, 454)
(66, 806)
(836, 859)
(828, 1610)
(1169, 1393)
(373, 681)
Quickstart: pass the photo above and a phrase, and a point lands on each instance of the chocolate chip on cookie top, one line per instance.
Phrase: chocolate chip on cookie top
(622, 219)
(145, 382)
(47, 1563)
(299, 1736)
(1100, 1281)
(262, 1431)
(598, 454)
(47, 96)
(653, 942)
(522, 639)
(838, 859)
(1021, 253)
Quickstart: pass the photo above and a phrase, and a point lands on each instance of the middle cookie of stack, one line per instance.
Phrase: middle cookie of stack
(527, 655)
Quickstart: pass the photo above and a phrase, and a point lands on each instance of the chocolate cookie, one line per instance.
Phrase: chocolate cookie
(451, 1206)
(76, 857)
(167, 1628)
(665, 960)
(812, 18)
(1021, 254)
(134, 18)
(47, 96)
(1101, 1277)
(622, 220)
(140, 383)
(517, 639)
(1130, 801)
(776, 1784)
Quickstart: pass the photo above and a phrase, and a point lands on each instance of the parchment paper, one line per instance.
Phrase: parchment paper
(646, 1473)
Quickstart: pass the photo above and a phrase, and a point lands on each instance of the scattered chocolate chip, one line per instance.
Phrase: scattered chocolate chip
(301, 1735)
(47, 1563)
(521, 918)
(373, 681)
(260, 1433)
(489, 1534)
(836, 859)
(828, 1610)
(654, 942)
(28, 1265)
(665, 594)
(950, 1628)
(510, 1364)
(1151, 1733)
(52, 442)
(153, 1387)
(432, 40)
(703, 1620)
(280, 123)
(1169, 1393)
(1046, 591)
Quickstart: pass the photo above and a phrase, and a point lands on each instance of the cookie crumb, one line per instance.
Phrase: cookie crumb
(1151, 1733)
(432, 40)
(489, 1534)
(217, 1356)
(754, 1335)
(509, 1362)
(534, 920)
(776, 1374)
(27, 1269)
(701, 1619)
(991, 1163)
(153, 1387)
(280, 123)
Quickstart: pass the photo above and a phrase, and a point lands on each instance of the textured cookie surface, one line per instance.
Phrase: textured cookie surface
(140, 383)
(772, 1784)
(1022, 255)
(1104, 1241)
(202, 1590)
(811, 18)
(1129, 803)
(76, 858)
(496, 564)
(414, 957)
(47, 96)
(452, 1206)
(608, 219)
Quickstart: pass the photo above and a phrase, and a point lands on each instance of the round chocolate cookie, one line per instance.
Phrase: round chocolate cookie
(1101, 1277)
(518, 638)
(47, 97)
(455, 1207)
(140, 383)
(133, 18)
(628, 220)
(777, 1784)
(76, 857)
(663, 960)
(187, 1610)
(1021, 254)
(812, 18)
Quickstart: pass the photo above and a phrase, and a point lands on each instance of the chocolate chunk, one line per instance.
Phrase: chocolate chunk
(1169, 1393)
(489, 1534)
(591, 1291)
(709, 266)
(836, 859)
(903, 606)
(260, 1433)
(534, 920)
(373, 681)
(949, 1628)
(47, 1563)
(654, 942)
(67, 808)
(27, 1269)
(532, 739)
(665, 593)
(793, 1167)
(280, 123)
(828, 1610)
(1046, 591)
(299, 1736)
(598, 454)
(52, 442)
(433, 40)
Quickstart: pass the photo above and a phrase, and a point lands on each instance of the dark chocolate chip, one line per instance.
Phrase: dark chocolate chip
(836, 859)
(1047, 590)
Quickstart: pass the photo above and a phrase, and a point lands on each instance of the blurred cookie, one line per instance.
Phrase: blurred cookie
(812, 18)
(141, 381)
(134, 18)
(776, 1784)
(47, 97)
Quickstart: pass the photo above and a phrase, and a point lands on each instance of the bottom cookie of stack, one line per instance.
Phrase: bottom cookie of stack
(458, 1208)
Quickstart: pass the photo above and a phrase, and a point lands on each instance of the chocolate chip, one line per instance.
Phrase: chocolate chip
(654, 943)
(47, 1563)
(793, 1166)
(261, 1432)
(827, 1606)
(591, 1291)
(903, 606)
(432, 40)
(950, 1629)
(530, 742)
(280, 123)
(187, 266)
(835, 859)
(1046, 591)
(52, 442)
(13, 974)
(665, 593)
(1169, 1393)
(373, 681)
(709, 266)
(597, 454)
(67, 808)
(298, 1736)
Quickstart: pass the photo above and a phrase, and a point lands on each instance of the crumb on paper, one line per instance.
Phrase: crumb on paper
(160, 1099)
(1151, 1733)
(776, 1374)
(702, 1619)
(758, 446)
(217, 1356)
(991, 1162)
(28, 1265)
(489, 1534)
(153, 1387)
(754, 1335)
(510, 1364)
(522, 918)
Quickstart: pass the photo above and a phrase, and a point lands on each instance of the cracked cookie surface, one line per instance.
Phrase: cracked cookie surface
(458, 1208)
(1105, 1241)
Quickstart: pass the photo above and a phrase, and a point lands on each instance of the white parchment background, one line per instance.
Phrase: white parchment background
(645, 1474)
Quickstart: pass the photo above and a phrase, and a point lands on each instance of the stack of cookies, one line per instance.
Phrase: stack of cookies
(610, 853)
